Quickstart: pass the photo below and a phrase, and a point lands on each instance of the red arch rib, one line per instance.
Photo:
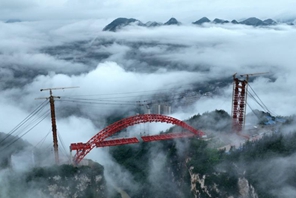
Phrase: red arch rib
(84, 149)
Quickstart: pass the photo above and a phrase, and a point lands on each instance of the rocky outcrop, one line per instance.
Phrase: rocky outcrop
(79, 186)
(198, 186)
(204, 185)
(62, 181)
(245, 189)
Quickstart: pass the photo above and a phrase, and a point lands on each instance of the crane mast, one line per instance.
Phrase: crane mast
(239, 101)
(53, 119)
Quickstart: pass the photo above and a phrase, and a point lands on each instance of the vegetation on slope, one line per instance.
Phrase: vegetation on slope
(167, 168)
(163, 168)
(55, 181)
(269, 164)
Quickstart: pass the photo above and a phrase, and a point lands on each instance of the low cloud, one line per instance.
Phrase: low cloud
(135, 64)
(117, 70)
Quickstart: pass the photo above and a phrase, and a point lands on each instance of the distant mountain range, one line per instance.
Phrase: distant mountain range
(122, 22)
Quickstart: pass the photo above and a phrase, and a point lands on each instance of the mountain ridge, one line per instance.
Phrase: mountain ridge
(121, 22)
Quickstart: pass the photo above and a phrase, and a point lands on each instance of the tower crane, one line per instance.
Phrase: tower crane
(239, 100)
(53, 118)
(254, 74)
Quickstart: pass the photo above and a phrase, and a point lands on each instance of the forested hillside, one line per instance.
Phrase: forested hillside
(194, 168)
(183, 168)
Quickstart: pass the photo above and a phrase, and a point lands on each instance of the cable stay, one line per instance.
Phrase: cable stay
(40, 143)
(25, 121)
(156, 91)
(265, 107)
(99, 101)
(257, 99)
(94, 103)
(124, 102)
(254, 98)
(253, 111)
(45, 115)
(63, 145)
(32, 122)
(148, 96)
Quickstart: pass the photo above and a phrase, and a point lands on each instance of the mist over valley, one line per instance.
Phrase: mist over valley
(111, 60)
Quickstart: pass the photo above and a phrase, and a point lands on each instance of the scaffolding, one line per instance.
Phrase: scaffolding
(239, 101)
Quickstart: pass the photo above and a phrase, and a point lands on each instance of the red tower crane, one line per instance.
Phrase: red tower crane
(53, 119)
(239, 101)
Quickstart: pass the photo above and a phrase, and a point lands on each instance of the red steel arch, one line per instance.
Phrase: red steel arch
(99, 139)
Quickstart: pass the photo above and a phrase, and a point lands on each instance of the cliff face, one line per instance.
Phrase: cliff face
(55, 182)
(245, 189)
(183, 168)
(19, 178)
(201, 187)
(68, 181)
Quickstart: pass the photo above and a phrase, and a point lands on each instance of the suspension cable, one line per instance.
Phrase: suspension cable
(253, 111)
(265, 107)
(253, 97)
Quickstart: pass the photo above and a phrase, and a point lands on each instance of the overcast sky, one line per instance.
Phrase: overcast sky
(184, 10)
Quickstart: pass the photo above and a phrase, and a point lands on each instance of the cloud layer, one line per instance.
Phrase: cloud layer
(187, 11)
(118, 69)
